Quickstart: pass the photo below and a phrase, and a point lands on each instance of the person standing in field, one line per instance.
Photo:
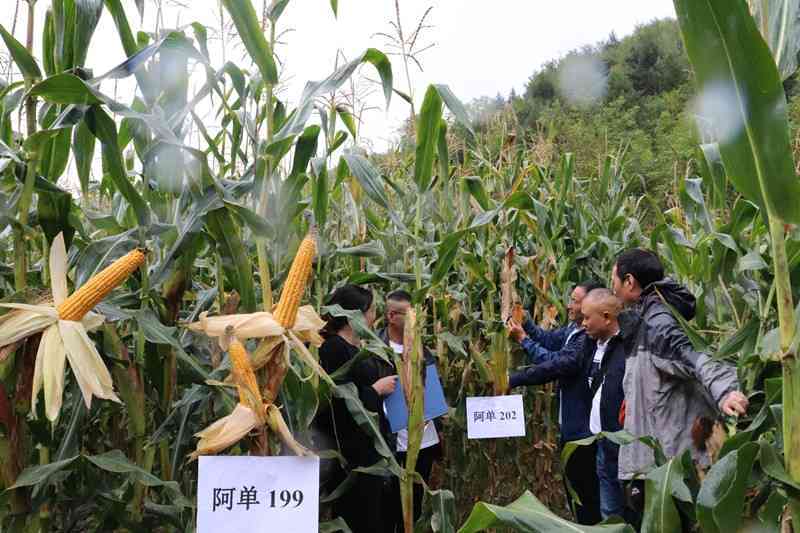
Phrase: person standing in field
(667, 384)
(362, 504)
(397, 305)
(609, 335)
(556, 356)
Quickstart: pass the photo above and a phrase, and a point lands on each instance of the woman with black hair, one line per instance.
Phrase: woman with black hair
(362, 506)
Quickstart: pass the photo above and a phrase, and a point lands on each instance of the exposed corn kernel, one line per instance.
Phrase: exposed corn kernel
(93, 291)
(294, 287)
(244, 377)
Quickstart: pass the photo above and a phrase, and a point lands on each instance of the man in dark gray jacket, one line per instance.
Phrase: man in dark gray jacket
(667, 384)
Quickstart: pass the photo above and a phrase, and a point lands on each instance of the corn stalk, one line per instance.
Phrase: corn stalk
(412, 366)
(20, 247)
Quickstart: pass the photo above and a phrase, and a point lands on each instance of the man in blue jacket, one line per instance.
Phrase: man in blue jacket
(557, 356)
(541, 345)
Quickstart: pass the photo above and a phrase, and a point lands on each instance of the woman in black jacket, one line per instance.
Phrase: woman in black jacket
(362, 506)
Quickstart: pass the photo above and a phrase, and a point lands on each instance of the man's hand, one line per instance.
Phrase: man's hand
(515, 331)
(734, 404)
(385, 386)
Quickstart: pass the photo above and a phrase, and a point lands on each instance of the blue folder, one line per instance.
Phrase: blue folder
(435, 404)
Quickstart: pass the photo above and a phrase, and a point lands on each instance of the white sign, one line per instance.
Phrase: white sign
(258, 494)
(492, 417)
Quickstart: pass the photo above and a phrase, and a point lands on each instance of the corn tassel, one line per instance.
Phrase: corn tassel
(295, 285)
(93, 291)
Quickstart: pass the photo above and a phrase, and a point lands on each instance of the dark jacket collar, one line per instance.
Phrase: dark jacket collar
(673, 293)
(628, 324)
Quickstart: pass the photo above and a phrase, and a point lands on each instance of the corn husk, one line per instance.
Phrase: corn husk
(508, 280)
(500, 362)
(62, 341)
(279, 427)
(226, 431)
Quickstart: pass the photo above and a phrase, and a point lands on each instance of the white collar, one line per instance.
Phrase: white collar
(604, 343)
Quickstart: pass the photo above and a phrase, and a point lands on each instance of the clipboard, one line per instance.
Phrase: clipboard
(435, 404)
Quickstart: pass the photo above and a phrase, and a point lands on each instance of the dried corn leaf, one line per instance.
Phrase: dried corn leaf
(278, 426)
(508, 279)
(226, 431)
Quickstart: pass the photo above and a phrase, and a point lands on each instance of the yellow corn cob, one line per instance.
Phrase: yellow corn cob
(286, 311)
(93, 291)
(244, 377)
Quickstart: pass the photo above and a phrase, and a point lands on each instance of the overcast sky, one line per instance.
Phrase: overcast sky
(480, 48)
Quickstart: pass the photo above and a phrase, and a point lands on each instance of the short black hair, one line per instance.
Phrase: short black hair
(589, 285)
(399, 295)
(644, 265)
(351, 298)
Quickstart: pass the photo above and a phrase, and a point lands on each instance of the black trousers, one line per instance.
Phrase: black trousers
(363, 504)
(424, 467)
(581, 471)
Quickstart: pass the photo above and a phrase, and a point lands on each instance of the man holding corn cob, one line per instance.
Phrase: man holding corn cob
(556, 355)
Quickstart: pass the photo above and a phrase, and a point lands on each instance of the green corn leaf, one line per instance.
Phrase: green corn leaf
(234, 255)
(778, 22)
(23, 59)
(348, 119)
(732, 63)
(66, 89)
(36, 474)
(721, 497)
(430, 117)
(83, 144)
(319, 192)
(297, 119)
(368, 176)
(48, 45)
(305, 149)
(103, 127)
(527, 513)
(662, 485)
(246, 21)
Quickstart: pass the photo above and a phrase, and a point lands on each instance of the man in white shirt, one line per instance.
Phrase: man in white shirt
(604, 364)
(397, 306)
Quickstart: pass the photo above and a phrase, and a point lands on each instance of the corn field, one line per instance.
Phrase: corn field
(131, 225)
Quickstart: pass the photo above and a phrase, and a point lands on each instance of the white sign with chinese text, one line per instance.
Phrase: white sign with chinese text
(492, 417)
(258, 494)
